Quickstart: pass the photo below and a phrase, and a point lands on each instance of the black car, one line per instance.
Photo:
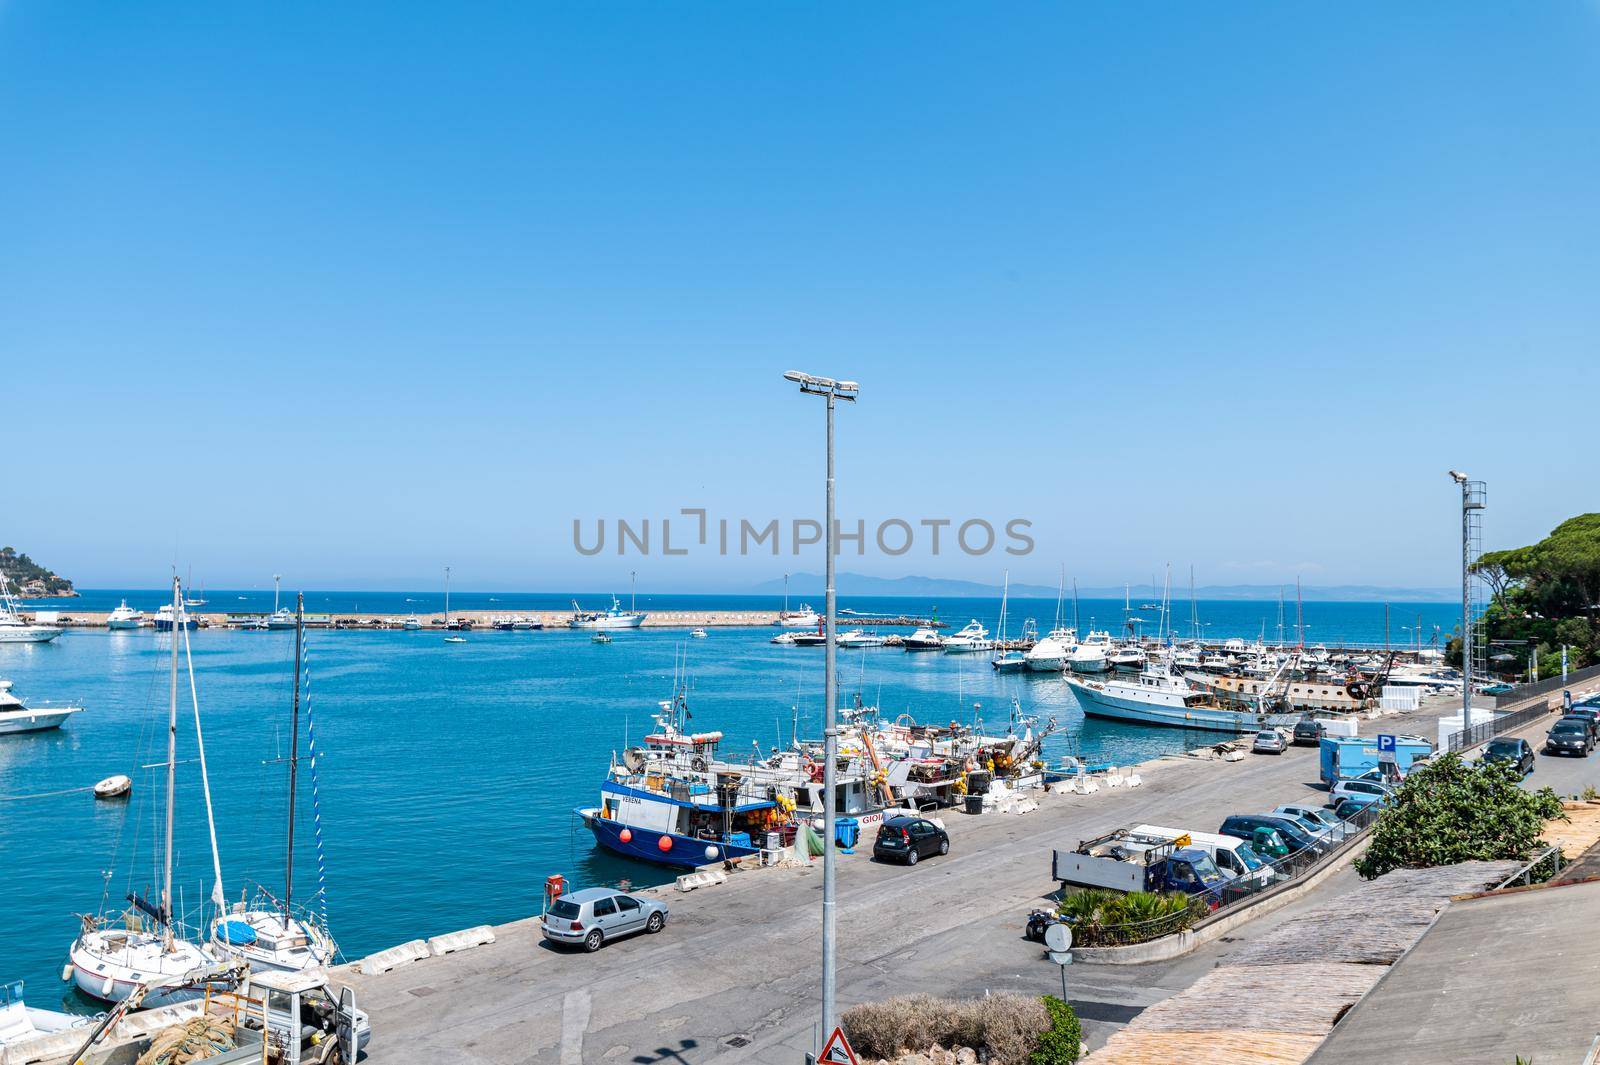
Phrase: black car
(1308, 732)
(1588, 713)
(906, 839)
(1516, 752)
(1242, 826)
(1570, 735)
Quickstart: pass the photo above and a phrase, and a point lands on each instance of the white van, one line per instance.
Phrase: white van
(1233, 856)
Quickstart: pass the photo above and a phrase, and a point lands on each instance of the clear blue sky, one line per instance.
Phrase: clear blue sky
(348, 291)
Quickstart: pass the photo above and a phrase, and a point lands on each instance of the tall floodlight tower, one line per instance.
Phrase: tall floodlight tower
(1474, 644)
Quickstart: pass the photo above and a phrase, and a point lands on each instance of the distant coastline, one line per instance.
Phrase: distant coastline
(811, 584)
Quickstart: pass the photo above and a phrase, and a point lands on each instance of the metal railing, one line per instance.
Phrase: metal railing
(1126, 935)
(1545, 865)
(1550, 684)
(1485, 731)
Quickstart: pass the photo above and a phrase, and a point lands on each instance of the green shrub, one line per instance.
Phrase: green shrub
(1062, 1042)
(1099, 918)
(1450, 810)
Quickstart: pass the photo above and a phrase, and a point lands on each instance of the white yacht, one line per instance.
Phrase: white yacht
(281, 617)
(1188, 657)
(1050, 654)
(1129, 658)
(412, 623)
(804, 618)
(784, 639)
(17, 716)
(860, 638)
(167, 612)
(972, 637)
(923, 639)
(1093, 655)
(13, 629)
(125, 617)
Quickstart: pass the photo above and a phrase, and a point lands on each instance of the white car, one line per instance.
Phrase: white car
(1316, 819)
(1365, 790)
(1270, 741)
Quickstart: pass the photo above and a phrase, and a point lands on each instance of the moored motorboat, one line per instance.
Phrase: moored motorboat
(124, 617)
(972, 637)
(1050, 654)
(17, 716)
(1092, 655)
(923, 639)
(13, 628)
(698, 634)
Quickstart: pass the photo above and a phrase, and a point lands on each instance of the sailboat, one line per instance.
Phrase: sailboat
(1006, 661)
(13, 629)
(110, 958)
(266, 933)
(459, 623)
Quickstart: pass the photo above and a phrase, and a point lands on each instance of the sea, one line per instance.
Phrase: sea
(446, 775)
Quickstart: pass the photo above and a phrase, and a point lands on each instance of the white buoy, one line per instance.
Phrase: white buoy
(711, 854)
(113, 787)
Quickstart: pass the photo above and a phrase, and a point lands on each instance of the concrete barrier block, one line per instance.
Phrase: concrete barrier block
(386, 960)
(465, 939)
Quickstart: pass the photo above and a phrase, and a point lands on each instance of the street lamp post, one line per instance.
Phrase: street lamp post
(831, 391)
(1471, 502)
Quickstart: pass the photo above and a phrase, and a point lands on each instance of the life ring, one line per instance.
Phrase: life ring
(698, 764)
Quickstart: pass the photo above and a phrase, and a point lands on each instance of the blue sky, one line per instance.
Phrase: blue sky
(350, 291)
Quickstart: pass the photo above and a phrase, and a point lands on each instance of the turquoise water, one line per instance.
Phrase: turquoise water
(448, 773)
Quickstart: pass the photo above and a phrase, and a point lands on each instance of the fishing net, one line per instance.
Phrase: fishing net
(194, 1040)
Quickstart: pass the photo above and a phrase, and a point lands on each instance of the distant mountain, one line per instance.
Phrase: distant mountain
(811, 584)
(29, 580)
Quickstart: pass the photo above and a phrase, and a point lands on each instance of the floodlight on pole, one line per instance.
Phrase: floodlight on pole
(831, 391)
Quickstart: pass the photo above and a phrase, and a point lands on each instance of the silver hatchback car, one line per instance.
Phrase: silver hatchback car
(595, 916)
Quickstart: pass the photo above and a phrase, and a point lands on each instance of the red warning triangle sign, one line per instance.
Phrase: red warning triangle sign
(837, 1050)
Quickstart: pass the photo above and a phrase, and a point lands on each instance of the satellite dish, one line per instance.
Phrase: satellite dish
(1058, 938)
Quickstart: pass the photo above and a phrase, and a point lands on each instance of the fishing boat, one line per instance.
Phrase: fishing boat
(13, 629)
(923, 639)
(412, 623)
(17, 716)
(124, 617)
(268, 933)
(671, 802)
(614, 618)
(1093, 655)
(698, 634)
(113, 956)
(1158, 697)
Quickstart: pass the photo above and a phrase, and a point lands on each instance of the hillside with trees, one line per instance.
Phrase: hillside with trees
(1545, 596)
(30, 580)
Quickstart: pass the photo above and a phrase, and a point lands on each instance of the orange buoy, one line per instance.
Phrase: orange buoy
(626, 835)
(665, 843)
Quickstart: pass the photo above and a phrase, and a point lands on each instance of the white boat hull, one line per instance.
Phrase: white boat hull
(1089, 665)
(28, 633)
(1168, 710)
(40, 720)
(107, 964)
(300, 947)
(617, 621)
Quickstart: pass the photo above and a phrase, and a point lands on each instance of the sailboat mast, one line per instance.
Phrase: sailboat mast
(633, 591)
(294, 749)
(447, 597)
(172, 761)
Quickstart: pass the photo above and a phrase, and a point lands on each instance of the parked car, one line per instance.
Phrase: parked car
(1515, 751)
(1270, 741)
(1346, 807)
(1590, 714)
(595, 916)
(1570, 735)
(1371, 789)
(1308, 732)
(1297, 839)
(907, 839)
(1314, 817)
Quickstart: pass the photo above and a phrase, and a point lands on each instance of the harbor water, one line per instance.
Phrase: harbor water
(447, 774)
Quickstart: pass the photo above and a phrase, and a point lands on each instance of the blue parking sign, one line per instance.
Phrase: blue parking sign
(1385, 743)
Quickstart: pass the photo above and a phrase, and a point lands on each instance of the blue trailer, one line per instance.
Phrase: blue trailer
(1347, 757)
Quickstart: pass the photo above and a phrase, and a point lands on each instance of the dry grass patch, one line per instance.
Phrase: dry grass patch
(1007, 1024)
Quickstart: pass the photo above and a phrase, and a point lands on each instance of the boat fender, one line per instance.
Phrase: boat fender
(664, 844)
(626, 835)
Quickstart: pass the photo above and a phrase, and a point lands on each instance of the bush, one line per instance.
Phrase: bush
(1009, 1026)
(1450, 811)
(1062, 1042)
(1099, 918)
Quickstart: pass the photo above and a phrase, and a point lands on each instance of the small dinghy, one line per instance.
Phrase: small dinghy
(698, 634)
(116, 787)
(600, 637)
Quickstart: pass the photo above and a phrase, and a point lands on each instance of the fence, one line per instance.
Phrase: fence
(1544, 867)
(1484, 731)
(1552, 684)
